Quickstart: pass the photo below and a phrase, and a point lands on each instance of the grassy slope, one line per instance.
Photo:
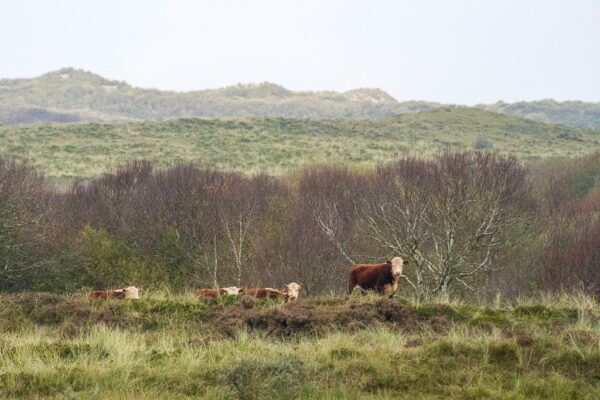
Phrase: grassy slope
(173, 346)
(274, 145)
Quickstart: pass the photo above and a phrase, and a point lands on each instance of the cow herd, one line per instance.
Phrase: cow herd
(288, 293)
(381, 278)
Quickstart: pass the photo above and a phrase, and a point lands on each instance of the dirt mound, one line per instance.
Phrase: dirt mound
(74, 313)
(69, 313)
(304, 316)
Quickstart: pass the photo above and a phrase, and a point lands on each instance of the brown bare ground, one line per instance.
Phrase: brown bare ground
(304, 317)
(214, 319)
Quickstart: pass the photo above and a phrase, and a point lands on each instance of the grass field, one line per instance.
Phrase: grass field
(174, 346)
(64, 152)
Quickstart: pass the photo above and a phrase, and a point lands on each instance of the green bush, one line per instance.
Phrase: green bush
(107, 261)
(482, 143)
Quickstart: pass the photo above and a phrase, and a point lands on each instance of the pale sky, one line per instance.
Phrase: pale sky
(462, 52)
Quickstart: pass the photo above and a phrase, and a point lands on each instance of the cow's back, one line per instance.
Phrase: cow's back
(370, 276)
(262, 293)
(210, 293)
(107, 294)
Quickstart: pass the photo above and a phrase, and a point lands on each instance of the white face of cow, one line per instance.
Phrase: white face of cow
(397, 264)
(132, 292)
(292, 290)
(232, 291)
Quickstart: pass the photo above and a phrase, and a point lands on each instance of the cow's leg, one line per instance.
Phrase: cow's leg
(359, 289)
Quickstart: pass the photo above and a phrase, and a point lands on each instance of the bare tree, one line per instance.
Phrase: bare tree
(448, 216)
(24, 202)
(328, 194)
(329, 220)
(239, 204)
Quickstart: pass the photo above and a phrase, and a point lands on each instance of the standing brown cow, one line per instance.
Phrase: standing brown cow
(383, 278)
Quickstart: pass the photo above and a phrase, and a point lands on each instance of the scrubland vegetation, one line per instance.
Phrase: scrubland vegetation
(174, 346)
(500, 298)
(468, 222)
(65, 152)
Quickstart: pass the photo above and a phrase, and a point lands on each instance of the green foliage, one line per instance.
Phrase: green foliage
(449, 311)
(482, 143)
(107, 261)
(486, 315)
(163, 267)
(583, 180)
(65, 152)
(544, 313)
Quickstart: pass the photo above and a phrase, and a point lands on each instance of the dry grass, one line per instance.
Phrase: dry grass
(172, 346)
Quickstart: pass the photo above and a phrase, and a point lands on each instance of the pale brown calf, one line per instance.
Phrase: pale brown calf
(128, 293)
(212, 293)
(263, 293)
(289, 292)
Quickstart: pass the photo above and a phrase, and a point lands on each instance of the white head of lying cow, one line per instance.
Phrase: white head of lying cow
(232, 291)
(291, 290)
(397, 264)
(131, 292)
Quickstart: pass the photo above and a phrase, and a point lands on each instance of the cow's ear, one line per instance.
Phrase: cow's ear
(388, 262)
(405, 262)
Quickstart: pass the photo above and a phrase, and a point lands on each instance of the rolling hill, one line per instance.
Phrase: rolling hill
(574, 113)
(68, 151)
(70, 95)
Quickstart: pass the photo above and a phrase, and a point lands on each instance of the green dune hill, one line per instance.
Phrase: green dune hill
(275, 145)
(70, 95)
(74, 95)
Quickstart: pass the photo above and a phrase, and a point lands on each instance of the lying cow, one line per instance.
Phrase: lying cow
(383, 278)
(212, 293)
(292, 290)
(128, 293)
(263, 293)
(288, 293)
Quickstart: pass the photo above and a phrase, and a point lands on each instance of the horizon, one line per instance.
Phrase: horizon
(462, 52)
(292, 90)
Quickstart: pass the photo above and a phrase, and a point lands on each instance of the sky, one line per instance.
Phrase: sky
(463, 52)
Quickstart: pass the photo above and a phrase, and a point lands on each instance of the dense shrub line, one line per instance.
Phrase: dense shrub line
(469, 222)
